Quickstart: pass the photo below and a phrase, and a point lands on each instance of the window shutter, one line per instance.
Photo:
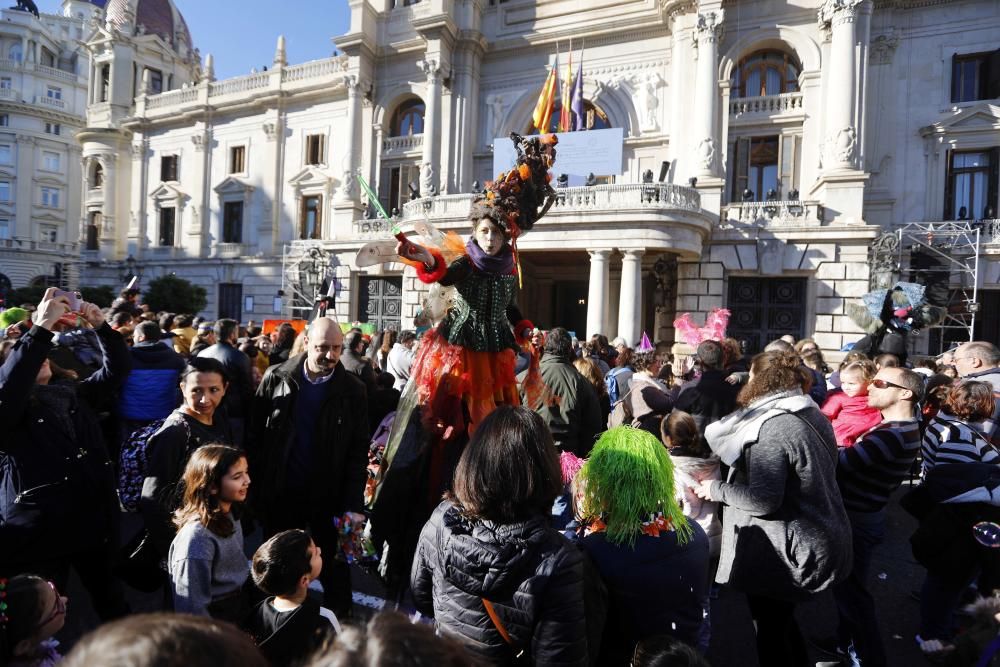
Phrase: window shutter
(949, 187)
(956, 79)
(994, 186)
(742, 163)
(786, 164)
(991, 77)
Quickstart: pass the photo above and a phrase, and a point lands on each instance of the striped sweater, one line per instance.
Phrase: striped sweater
(949, 440)
(877, 464)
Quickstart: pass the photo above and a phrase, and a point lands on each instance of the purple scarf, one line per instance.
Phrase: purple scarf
(502, 262)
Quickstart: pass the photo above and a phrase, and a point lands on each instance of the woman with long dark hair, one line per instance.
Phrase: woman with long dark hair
(785, 531)
(488, 567)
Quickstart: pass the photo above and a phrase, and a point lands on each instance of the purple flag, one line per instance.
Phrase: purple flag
(576, 99)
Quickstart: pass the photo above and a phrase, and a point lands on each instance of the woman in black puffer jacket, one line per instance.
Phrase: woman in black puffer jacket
(490, 547)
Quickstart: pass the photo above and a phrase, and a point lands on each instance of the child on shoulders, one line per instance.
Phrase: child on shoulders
(847, 408)
(288, 626)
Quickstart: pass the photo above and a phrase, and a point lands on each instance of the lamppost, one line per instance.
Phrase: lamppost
(128, 270)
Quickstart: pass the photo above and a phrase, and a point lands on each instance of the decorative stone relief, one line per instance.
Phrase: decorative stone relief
(650, 101)
(426, 179)
(838, 11)
(883, 48)
(841, 145)
(432, 69)
(706, 153)
(199, 141)
(270, 130)
(497, 107)
(348, 187)
(709, 26)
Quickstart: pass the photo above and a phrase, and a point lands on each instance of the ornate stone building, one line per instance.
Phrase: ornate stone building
(766, 146)
(43, 83)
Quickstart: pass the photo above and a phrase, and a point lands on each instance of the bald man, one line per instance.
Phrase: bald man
(309, 450)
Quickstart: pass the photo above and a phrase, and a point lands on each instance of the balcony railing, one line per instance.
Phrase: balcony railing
(376, 228)
(240, 84)
(54, 73)
(411, 142)
(172, 97)
(766, 104)
(10, 94)
(792, 212)
(39, 246)
(231, 250)
(53, 102)
(311, 69)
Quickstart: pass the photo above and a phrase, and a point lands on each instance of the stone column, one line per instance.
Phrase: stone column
(707, 33)
(432, 123)
(630, 303)
(597, 295)
(22, 190)
(841, 138)
(348, 189)
(109, 214)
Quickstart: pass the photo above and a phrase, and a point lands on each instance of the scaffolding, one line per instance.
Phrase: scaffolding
(306, 269)
(949, 254)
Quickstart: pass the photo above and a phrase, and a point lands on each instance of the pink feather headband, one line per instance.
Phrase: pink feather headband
(714, 329)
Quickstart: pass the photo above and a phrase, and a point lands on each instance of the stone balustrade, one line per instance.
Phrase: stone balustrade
(792, 212)
(52, 102)
(396, 145)
(12, 94)
(766, 105)
(54, 73)
(327, 72)
(64, 249)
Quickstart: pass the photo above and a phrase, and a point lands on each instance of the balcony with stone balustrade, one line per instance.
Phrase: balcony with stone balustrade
(408, 145)
(766, 107)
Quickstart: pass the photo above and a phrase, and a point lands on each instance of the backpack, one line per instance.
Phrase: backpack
(134, 460)
(611, 383)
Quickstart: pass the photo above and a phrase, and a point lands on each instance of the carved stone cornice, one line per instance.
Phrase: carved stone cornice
(431, 69)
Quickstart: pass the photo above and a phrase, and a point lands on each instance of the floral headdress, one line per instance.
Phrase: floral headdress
(518, 198)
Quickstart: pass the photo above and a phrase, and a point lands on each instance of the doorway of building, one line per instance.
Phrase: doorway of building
(380, 302)
(231, 301)
(569, 299)
(764, 309)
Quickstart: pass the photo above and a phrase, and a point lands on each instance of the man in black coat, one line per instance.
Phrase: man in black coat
(58, 506)
(355, 362)
(308, 446)
(711, 398)
(239, 393)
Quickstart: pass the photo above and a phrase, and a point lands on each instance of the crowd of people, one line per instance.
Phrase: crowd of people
(593, 527)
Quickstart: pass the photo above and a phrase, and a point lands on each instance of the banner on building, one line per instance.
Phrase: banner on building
(578, 154)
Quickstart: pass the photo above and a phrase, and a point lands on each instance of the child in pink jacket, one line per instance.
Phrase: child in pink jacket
(848, 408)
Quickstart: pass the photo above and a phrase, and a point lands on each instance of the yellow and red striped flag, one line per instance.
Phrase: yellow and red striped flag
(543, 109)
(565, 115)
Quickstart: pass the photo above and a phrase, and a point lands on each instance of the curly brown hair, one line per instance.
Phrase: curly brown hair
(589, 370)
(970, 401)
(774, 372)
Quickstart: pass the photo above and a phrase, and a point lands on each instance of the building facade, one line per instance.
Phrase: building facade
(43, 84)
(767, 147)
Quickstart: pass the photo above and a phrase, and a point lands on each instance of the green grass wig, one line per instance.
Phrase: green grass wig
(628, 477)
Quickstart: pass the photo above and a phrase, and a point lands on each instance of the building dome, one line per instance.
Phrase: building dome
(156, 17)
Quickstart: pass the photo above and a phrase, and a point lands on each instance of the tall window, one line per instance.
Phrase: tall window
(6, 153)
(314, 149)
(155, 81)
(972, 185)
(756, 168)
(311, 217)
(5, 231)
(54, 93)
(15, 52)
(105, 82)
(408, 119)
(394, 190)
(48, 234)
(765, 73)
(975, 76)
(4, 190)
(5, 83)
(168, 168)
(237, 159)
(167, 224)
(50, 161)
(97, 176)
(4, 120)
(50, 197)
(93, 230)
(232, 222)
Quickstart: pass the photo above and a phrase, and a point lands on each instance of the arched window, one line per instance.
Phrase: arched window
(594, 118)
(766, 73)
(97, 175)
(408, 119)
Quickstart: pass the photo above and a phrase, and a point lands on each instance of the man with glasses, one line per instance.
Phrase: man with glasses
(867, 474)
(980, 361)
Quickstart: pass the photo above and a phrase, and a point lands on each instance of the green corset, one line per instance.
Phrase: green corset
(478, 320)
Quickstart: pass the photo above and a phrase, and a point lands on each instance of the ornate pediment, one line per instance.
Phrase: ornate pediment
(310, 177)
(979, 118)
(168, 192)
(233, 186)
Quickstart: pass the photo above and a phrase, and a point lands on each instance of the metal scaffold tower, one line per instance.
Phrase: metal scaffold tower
(943, 256)
(305, 269)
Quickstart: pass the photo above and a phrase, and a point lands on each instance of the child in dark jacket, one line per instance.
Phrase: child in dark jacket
(288, 626)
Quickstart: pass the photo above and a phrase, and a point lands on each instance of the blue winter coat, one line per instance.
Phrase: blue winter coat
(152, 389)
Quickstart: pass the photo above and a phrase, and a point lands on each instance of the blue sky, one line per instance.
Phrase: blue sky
(242, 33)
